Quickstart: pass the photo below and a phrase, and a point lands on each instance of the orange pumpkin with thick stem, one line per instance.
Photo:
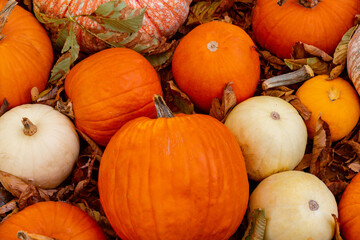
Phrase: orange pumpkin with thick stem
(319, 23)
(212, 55)
(54, 220)
(336, 101)
(175, 177)
(110, 88)
(349, 210)
(26, 55)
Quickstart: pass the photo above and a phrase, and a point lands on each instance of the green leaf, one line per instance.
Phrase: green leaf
(257, 226)
(109, 16)
(70, 53)
(41, 17)
(61, 37)
(159, 59)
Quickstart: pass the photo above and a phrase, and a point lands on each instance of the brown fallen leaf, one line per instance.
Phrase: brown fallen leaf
(272, 59)
(303, 50)
(304, 163)
(180, 99)
(65, 108)
(96, 150)
(8, 207)
(31, 236)
(278, 92)
(337, 187)
(318, 66)
(337, 228)
(31, 195)
(202, 12)
(354, 145)
(83, 183)
(4, 107)
(257, 226)
(297, 104)
(355, 166)
(321, 151)
(221, 111)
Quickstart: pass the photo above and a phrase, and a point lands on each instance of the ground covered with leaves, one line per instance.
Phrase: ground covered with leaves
(335, 163)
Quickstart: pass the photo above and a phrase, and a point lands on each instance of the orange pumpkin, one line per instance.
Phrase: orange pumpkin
(56, 220)
(336, 101)
(110, 88)
(212, 55)
(161, 20)
(349, 210)
(277, 28)
(26, 56)
(163, 179)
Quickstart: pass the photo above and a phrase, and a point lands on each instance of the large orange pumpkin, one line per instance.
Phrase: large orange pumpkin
(179, 177)
(277, 28)
(26, 56)
(212, 55)
(161, 20)
(56, 220)
(110, 88)
(349, 210)
(336, 101)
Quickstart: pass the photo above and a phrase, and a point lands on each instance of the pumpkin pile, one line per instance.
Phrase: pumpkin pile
(179, 119)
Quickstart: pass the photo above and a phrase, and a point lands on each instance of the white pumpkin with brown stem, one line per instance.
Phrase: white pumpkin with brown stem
(271, 134)
(38, 144)
(298, 206)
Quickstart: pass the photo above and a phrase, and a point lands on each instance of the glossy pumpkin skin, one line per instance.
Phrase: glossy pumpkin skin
(26, 57)
(286, 198)
(271, 134)
(57, 220)
(277, 28)
(110, 88)
(336, 101)
(164, 179)
(162, 19)
(353, 59)
(212, 55)
(349, 210)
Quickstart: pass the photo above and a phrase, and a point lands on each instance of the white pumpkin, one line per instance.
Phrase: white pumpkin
(271, 133)
(297, 206)
(43, 155)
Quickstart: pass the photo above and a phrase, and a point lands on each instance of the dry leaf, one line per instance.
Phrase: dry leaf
(278, 92)
(355, 166)
(12, 184)
(303, 50)
(317, 65)
(96, 150)
(257, 226)
(180, 99)
(30, 236)
(336, 71)
(4, 107)
(80, 186)
(337, 228)
(276, 62)
(30, 196)
(321, 152)
(221, 111)
(202, 12)
(297, 104)
(304, 163)
(65, 108)
(337, 187)
(8, 207)
(355, 146)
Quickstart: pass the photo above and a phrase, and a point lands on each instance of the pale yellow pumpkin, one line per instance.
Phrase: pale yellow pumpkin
(271, 133)
(298, 206)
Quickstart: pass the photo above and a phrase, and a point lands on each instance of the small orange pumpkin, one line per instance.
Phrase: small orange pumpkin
(110, 88)
(319, 23)
(336, 101)
(26, 56)
(349, 210)
(163, 179)
(56, 220)
(212, 55)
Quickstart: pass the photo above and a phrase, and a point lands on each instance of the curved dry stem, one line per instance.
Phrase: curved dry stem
(304, 3)
(5, 13)
(163, 111)
(297, 76)
(29, 128)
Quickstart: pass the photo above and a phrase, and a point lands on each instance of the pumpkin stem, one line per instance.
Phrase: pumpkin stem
(297, 76)
(163, 111)
(28, 236)
(213, 46)
(309, 3)
(4, 15)
(29, 128)
(334, 94)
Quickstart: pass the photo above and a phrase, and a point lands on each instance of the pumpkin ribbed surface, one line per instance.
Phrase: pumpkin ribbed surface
(178, 178)
(110, 88)
(277, 28)
(162, 18)
(57, 220)
(349, 210)
(26, 57)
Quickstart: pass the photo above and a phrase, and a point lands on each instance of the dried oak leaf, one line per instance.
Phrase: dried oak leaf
(221, 110)
(321, 151)
(297, 104)
(8, 207)
(276, 62)
(304, 163)
(354, 145)
(278, 92)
